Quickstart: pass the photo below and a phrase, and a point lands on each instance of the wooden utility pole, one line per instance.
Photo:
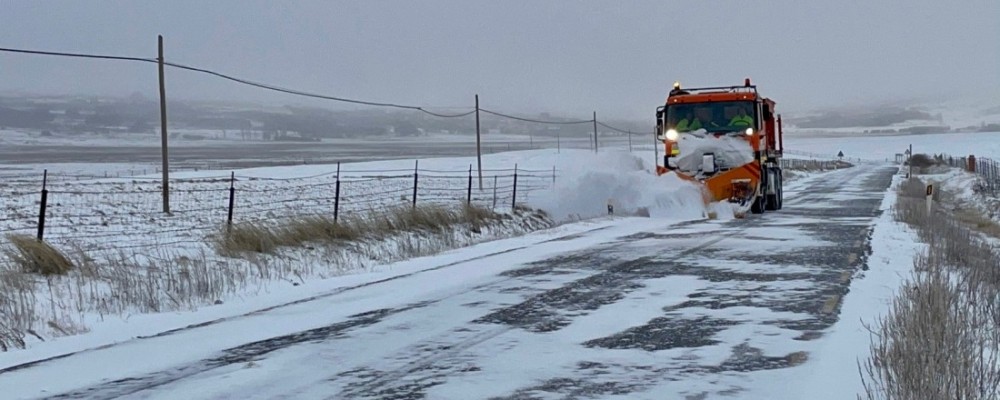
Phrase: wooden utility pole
(909, 160)
(163, 132)
(479, 151)
(595, 131)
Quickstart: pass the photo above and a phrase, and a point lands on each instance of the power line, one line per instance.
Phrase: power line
(294, 91)
(313, 95)
(613, 128)
(536, 120)
(78, 55)
(235, 79)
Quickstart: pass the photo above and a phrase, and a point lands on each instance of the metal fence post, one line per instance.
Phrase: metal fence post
(468, 194)
(416, 166)
(232, 197)
(513, 202)
(45, 199)
(336, 196)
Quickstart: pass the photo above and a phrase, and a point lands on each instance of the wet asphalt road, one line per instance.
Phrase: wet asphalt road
(712, 297)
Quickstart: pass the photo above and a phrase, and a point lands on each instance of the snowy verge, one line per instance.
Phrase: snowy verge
(461, 263)
(37, 309)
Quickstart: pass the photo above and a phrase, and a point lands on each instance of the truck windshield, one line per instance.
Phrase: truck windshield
(723, 116)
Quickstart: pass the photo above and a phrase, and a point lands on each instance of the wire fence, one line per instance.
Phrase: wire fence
(812, 165)
(115, 214)
(830, 156)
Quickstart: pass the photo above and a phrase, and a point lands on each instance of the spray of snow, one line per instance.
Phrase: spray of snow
(588, 183)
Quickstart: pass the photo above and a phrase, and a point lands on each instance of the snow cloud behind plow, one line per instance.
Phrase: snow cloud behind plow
(589, 182)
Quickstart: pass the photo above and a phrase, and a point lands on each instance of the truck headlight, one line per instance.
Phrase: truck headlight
(671, 134)
(749, 131)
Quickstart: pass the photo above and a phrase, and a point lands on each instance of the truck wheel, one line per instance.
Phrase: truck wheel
(772, 199)
(781, 189)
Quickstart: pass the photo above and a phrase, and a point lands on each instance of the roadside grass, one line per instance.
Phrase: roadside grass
(244, 238)
(941, 338)
(35, 256)
(239, 261)
(970, 215)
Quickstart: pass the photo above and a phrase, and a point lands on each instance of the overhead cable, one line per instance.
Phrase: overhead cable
(536, 120)
(235, 79)
(613, 128)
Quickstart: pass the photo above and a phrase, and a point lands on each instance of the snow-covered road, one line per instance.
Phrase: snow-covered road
(622, 308)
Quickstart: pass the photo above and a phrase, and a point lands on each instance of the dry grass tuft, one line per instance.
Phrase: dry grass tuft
(406, 218)
(37, 257)
(17, 305)
(248, 237)
(260, 238)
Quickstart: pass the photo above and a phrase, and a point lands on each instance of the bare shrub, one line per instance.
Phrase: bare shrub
(941, 339)
(36, 256)
(922, 161)
(913, 187)
(933, 344)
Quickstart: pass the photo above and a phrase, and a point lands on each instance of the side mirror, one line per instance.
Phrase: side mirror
(659, 123)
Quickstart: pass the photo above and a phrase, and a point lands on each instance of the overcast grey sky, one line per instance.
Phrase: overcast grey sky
(569, 57)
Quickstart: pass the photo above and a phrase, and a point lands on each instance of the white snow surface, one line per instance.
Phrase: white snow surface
(730, 151)
(586, 183)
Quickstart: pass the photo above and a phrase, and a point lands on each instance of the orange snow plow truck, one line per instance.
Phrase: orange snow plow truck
(727, 138)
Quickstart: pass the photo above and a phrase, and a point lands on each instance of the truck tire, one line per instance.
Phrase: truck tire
(781, 189)
(772, 202)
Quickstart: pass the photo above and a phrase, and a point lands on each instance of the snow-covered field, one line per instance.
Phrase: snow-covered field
(569, 184)
(207, 137)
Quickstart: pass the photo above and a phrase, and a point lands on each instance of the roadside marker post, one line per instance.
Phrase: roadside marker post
(930, 198)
